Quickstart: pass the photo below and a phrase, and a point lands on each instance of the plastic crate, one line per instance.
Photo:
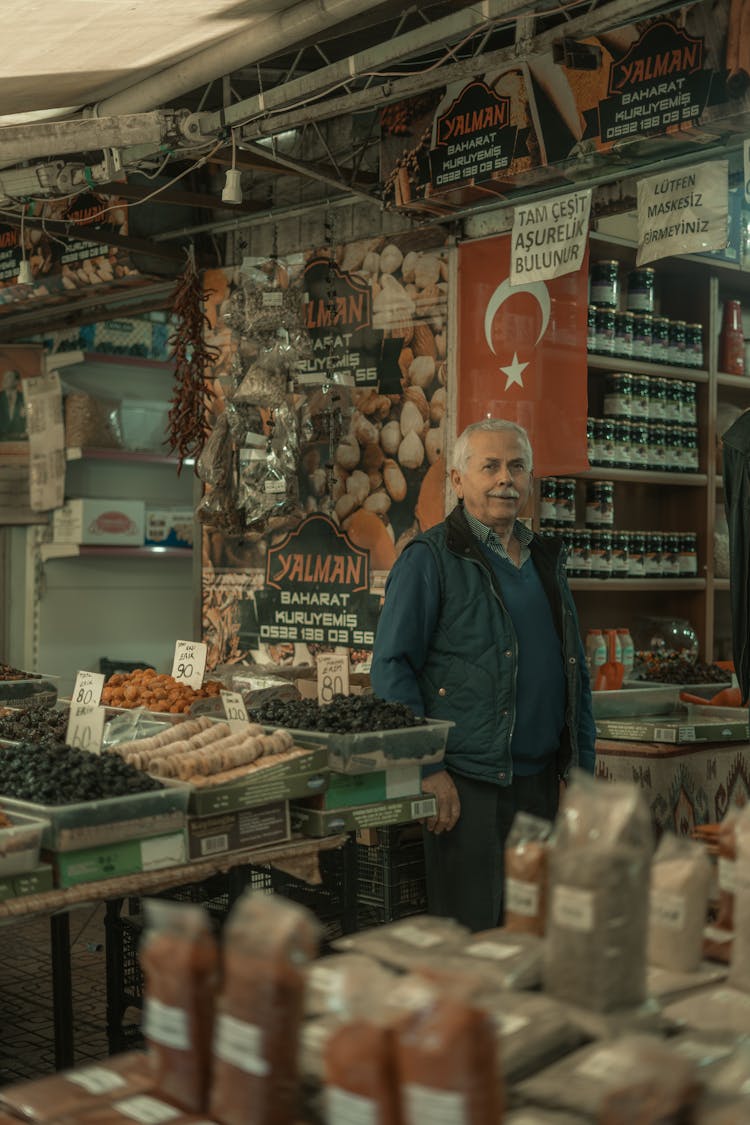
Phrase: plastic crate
(333, 901)
(111, 667)
(392, 879)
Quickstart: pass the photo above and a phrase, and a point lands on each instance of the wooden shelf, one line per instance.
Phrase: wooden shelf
(619, 364)
(636, 476)
(721, 583)
(74, 358)
(736, 382)
(607, 585)
(50, 551)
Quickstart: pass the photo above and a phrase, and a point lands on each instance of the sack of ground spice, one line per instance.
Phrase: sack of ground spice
(597, 919)
(717, 938)
(739, 970)
(402, 944)
(680, 878)
(526, 874)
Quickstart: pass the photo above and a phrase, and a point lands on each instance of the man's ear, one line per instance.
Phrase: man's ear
(456, 483)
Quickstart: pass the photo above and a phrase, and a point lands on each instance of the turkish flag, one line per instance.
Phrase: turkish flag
(522, 354)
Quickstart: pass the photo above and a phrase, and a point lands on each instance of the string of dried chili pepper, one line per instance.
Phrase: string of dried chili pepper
(192, 392)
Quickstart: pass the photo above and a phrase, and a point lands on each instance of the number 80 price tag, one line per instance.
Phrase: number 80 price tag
(333, 675)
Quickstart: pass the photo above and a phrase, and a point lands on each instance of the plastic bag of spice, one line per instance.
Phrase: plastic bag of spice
(267, 943)
(73, 1092)
(680, 878)
(180, 961)
(638, 1075)
(526, 874)
(402, 944)
(214, 465)
(93, 422)
(718, 937)
(597, 924)
(446, 1055)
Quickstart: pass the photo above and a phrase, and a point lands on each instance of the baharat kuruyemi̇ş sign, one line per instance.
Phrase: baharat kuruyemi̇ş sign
(473, 137)
(346, 348)
(317, 589)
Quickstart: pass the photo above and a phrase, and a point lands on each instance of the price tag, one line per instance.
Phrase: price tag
(189, 663)
(235, 710)
(85, 728)
(333, 675)
(88, 688)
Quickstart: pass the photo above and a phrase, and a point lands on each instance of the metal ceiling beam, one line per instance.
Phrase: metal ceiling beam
(318, 173)
(175, 197)
(611, 15)
(319, 82)
(29, 318)
(34, 140)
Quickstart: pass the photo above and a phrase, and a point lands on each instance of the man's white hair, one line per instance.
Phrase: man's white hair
(461, 450)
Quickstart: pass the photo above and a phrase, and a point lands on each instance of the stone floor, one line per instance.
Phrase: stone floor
(27, 1044)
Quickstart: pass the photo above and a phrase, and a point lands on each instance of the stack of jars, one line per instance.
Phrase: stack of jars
(611, 553)
(636, 332)
(650, 423)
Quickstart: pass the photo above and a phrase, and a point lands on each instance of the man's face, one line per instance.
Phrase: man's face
(496, 483)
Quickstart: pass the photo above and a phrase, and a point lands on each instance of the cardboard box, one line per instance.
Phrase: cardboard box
(107, 861)
(677, 731)
(30, 883)
(300, 774)
(349, 790)
(239, 830)
(169, 527)
(312, 820)
(100, 523)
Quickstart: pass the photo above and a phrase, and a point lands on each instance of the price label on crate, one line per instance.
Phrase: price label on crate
(235, 710)
(333, 675)
(189, 663)
(88, 688)
(85, 727)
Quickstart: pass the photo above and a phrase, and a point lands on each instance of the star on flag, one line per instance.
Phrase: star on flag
(514, 371)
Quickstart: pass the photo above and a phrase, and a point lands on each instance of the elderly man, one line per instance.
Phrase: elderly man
(12, 409)
(479, 626)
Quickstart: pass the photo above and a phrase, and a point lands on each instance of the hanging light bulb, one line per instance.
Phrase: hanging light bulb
(25, 276)
(232, 192)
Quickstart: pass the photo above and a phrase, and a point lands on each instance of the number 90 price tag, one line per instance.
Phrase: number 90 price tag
(189, 663)
(85, 728)
(333, 675)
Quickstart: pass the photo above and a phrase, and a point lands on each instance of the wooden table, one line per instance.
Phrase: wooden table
(298, 856)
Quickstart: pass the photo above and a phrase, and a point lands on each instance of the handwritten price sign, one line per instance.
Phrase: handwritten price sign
(88, 688)
(333, 675)
(235, 710)
(85, 728)
(189, 663)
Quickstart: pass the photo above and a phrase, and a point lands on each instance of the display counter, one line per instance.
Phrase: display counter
(684, 785)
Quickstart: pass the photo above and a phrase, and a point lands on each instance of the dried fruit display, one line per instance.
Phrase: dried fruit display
(42, 725)
(146, 688)
(60, 775)
(8, 672)
(344, 714)
(674, 669)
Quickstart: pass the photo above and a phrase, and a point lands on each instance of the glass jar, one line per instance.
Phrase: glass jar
(604, 331)
(677, 342)
(731, 341)
(657, 451)
(636, 554)
(590, 440)
(673, 401)
(548, 502)
(619, 560)
(694, 345)
(689, 408)
(639, 452)
(591, 329)
(640, 398)
(691, 453)
(622, 443)
(565, 502)
(600, 507)
(670, 556)
(618, 394)
(688, 555)
(653, 553)
(604, 283)
(660, 348)
(601, 553)
(673, 446)
(624, 334)
(580, 554)
(642, 336)
(657, 400)
(641, 289)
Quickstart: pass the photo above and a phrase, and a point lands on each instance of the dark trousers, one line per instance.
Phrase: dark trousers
(465, 868)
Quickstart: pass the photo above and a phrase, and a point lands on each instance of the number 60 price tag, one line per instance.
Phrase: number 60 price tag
(189, 663)
(85, 727)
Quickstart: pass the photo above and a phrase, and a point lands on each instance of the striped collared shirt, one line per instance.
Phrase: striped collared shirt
(488, 537)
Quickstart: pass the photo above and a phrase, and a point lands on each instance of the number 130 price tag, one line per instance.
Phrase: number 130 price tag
(189, 663)
(85, 727)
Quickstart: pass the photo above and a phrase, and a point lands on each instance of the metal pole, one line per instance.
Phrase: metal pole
(62, 990)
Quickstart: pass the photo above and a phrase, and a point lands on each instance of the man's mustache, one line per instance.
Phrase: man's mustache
(508, 494)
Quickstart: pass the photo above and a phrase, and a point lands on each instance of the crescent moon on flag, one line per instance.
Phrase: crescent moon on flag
(537, 289)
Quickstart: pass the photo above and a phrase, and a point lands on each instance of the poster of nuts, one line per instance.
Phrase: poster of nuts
(369, 399)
